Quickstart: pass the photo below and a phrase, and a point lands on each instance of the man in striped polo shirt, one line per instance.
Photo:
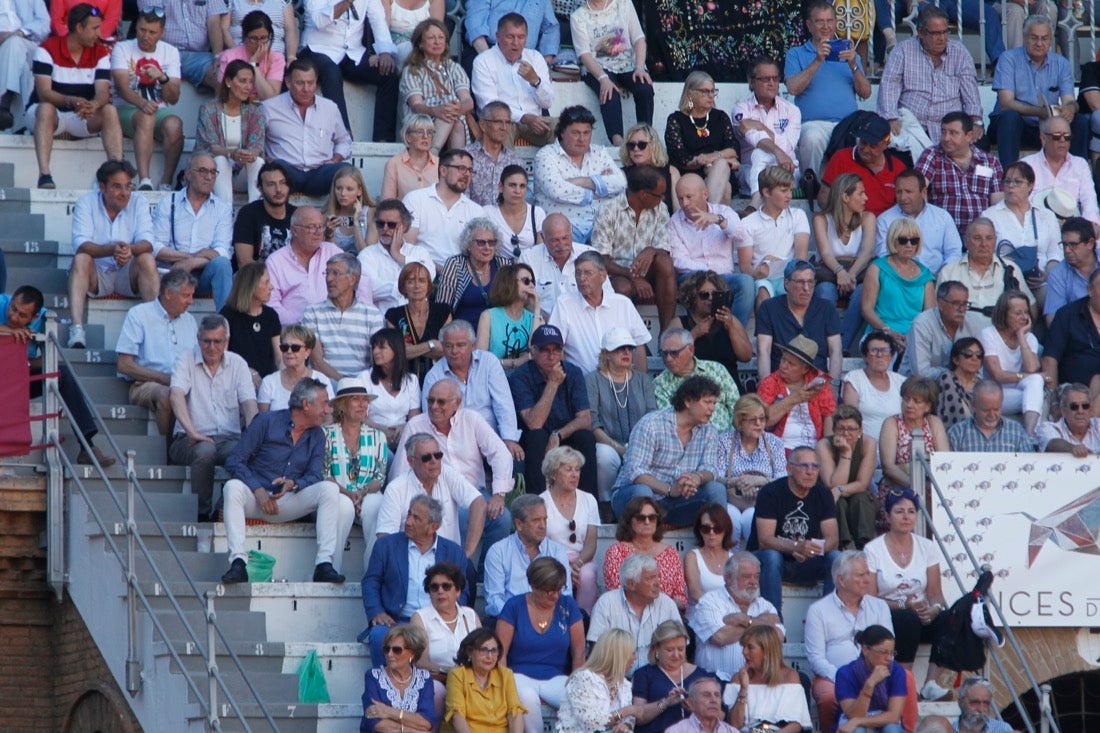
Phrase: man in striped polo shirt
(72, 90)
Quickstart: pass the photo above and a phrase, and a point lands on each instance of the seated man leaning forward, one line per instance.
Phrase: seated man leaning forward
(672, 455)
(794, 534)
(277, 468)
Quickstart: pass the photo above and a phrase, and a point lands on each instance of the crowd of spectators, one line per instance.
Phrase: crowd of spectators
(460, 366)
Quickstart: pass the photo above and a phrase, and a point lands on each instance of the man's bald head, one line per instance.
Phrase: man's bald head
(691, 192)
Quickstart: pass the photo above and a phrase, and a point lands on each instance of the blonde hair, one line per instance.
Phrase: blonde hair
(610, 657)
(767, 638)
(903, 227)
(348, 171)
(658, 156)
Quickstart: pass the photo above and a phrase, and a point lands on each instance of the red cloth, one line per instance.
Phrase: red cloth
(15, 399)
(772, 388)
(879, 186)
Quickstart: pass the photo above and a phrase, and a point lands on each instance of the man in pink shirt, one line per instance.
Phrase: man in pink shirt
(297, 271)
(768, 127)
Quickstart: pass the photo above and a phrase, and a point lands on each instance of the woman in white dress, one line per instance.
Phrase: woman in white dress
(519, 222)
(572, 520)
(396, 390)
(445, 622)
(598, 695)
(766, 689)
(1012, 358)
(296, 345)
(704, 565)
(874, 389)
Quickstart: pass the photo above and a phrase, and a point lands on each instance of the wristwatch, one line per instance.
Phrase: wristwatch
(839, 489)
(721, 221)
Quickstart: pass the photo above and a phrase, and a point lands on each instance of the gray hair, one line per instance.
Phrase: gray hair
(633, 567)
(944, 289)
(686, 339)
(559, 456)
(299, 214)
(212, 322)
(522, 505)
(416, 121)
(305, 391)
(734, 563)
(982, 221)
(477, 224)
(992, 386)
(1065, 389)
(416, 439)
(355, 268)
(434, 508)
(1038, 19)
(448, 383)
(700, 681)
(969, 682)
(844, 561)
(458, 325)
(496, 104)
(592, 257)
(175, 279)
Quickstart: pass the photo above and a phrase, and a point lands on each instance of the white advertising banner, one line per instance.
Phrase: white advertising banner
(1035, 519)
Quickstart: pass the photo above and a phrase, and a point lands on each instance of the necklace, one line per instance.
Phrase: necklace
(452, 622)
(703, 131)
(624, 390)
(402, 682)
(901, 556)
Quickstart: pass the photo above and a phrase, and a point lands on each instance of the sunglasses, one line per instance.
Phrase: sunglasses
(572, 531)
(666, 353)
(526, 281)
(1060, 136)
(290, 347)
(710, 529)
(639, 145)
(626, 347)
(433, 587)
(515, 245)
(971, 354)
(646, 518)
(1075, 406)
(909, 241)
(426, 457)
(385, 224)
(393, 649)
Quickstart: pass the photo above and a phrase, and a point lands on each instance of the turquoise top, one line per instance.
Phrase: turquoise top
(508, 339)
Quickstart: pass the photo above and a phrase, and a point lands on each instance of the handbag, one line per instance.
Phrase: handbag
(823, 274)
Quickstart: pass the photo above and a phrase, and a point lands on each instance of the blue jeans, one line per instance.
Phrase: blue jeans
(852, 321)
(891, 728)
(193, 66)
(217, 279)
(1011, 130)
(742, 293)
(775, 568)
(679, 512)
(495, 530)
(315, 182)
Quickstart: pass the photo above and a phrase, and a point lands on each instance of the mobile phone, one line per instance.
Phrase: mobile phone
(819, 380)
(719, 301)
(836, 46)
(344, 221)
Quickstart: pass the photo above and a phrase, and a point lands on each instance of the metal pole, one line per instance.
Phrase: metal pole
(1046, 713)
(55, 476)
(918, 477)
(212, 663)
(133, 664)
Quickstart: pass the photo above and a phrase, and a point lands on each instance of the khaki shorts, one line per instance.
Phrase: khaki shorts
(144, 394)
(111, 282)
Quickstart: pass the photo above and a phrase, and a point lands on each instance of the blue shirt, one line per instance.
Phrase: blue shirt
(506, 570)
(1046, 84)
(91, 223)
(831, 93)
(540, 656)
(940, 240)
(1009, 437)
(850, 680)
(177, 225)
(38, 325)
(528, 383)
(415, 595)
(1065, 284)
(543, 31)
(266, 452)
(485, 390)
(155, 340)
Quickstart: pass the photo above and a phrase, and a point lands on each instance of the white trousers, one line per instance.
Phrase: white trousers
(532, 693)
(1027, 396)
(913, 138)
(812, 142)
(758, 161)
(335, 514)
(15, 68)
(245, 180)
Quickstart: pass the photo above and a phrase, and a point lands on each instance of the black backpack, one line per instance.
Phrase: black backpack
(956, 646)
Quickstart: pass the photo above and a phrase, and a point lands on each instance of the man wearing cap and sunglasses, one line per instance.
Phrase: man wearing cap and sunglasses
(870, 160)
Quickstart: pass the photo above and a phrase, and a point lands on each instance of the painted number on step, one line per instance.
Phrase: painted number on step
(189, 530)
(93, 357)
(290, 710)
(60, 301)
(155, 473)
(118, 413)
(30, 247)
(259, 650)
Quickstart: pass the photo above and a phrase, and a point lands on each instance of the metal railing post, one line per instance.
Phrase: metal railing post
(212, 663)
(133, 663)
(1045, 710)
(55, 477)
(918, 477)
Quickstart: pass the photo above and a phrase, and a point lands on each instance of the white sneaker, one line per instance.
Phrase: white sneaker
(932, 691)
(77, 339)
(145, 185)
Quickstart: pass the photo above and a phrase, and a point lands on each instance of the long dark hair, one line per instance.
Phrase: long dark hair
(400, 366)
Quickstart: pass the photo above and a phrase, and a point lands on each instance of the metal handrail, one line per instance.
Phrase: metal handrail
(57, 460)
(919, 466)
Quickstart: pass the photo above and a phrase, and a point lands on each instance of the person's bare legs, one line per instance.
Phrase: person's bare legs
(144, 276)
(718, 179)
(171, 131)
(144, 125)
(83, 279)
(45, 126)
(105, 121)
(662, 277)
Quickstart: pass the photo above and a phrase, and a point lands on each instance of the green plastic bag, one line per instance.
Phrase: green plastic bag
(261, 567)
(311, 680)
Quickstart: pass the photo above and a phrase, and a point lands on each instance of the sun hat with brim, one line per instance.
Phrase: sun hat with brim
(1062, 203)
(616, 337)
(802, 348)
(352, 386)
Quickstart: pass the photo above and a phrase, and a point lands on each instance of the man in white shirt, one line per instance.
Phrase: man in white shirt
(440, 212)
(112, 245)
(723, 615)
(211, 396)
(832, 622)
(704, 236)
(146, 74)
(584, 317)
(768, 127)
(194, 231)
(1077, 432)
(553, 262)
(385, 259)
(638, 606)
(442, 483)
(24, 25)
(518, 76)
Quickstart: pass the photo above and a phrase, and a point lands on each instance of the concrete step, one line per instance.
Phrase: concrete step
(168, 508)
(29, 253)
(7, 174)
(92, 362)
(109, 316)
(22, 225)
(47, 279)
(270, 686)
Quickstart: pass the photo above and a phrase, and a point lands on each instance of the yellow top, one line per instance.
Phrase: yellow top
(485, 711)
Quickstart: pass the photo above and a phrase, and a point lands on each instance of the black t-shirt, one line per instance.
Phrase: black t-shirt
(1090, 81)
(250, 337)
(795, 519)
(265, 233)
(774, 318)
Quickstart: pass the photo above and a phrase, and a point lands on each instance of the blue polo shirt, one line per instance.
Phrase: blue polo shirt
(1065, 284)
(527, 384)
(831, 94)
(774, 318)
(1074, 343)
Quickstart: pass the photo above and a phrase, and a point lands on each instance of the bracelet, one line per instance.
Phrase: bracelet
(401, 716)
(601, 77)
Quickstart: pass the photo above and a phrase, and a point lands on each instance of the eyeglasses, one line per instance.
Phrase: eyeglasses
(205, 171)
(336, 273)
(878, 351)
(805, 466)
(421, 132)
(434, 587)
(257, 39)
(957, 304)
(312, 228)
(1013, 182)
(459, 168)
(882, 652)
(755, 418)
(492, 651)
(646, 518)
(637, 145)
(393, 650)
(710, 529)
(971, 354)
(380, 224)
(291, 347)
(712, 92)
(914, 241)
(1064, 137)
(485, 242)
(846, 428)
(1075, 406)
(428, 457)
(1065, 244)
(212, 342)
(668, 353)
(802, 282)
(526, 281)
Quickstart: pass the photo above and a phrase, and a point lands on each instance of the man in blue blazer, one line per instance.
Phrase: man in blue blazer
(393, 586)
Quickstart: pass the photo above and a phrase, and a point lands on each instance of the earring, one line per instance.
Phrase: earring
(690, 105)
